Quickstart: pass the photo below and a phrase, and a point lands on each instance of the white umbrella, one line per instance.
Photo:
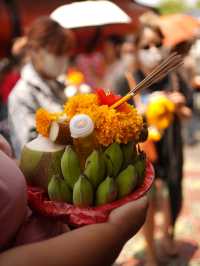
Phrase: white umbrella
(151, 3)
(89, 13)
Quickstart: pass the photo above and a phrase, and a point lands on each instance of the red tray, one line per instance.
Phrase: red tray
(75, 216)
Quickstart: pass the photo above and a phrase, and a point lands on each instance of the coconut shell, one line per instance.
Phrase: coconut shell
(60, 133)
(40, 160)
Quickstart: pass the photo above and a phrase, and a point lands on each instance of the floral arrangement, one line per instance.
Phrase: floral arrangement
(111, 125)
(87, 157)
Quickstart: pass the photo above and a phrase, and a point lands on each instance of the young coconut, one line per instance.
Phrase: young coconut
(40, 160)
(59, 131)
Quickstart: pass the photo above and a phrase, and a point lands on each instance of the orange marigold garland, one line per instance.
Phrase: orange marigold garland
(82, 103)
(43, 121)
(111, 125)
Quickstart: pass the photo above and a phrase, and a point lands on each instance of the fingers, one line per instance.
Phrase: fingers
(130, 217)
(184, 112)
(177, 98)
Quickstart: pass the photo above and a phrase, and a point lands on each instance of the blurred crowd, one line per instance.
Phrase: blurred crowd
(43, 71)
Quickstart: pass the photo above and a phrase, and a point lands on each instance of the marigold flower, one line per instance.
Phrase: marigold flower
(160, 112)
(111, 125)
(81, 103)
(43, 121)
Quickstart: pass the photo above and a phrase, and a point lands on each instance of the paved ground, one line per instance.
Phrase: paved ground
(188, 225)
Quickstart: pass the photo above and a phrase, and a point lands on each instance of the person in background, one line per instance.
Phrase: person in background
(30, 239)
(96, 65)
(9, 75)
(127, 53)
(48, 46)
(192, 67)
(169, 163)
(188, 72)
(125, 62)
(19, 51)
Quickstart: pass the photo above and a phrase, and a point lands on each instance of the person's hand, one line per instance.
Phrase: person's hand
(5, 146)
(130, 217)
(184, 112)
(98, 244)
(177, 98)
(196, 82)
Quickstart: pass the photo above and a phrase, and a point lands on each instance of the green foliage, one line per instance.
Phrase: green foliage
(172, 6)
(198, 4)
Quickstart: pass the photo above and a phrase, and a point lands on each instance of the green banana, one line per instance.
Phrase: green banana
(83, 192)
(126, 181)
(70, 166)
(95, 168)
(106, 191)
(140, 167)
(58, 190)
(114, 159)
(129, 153)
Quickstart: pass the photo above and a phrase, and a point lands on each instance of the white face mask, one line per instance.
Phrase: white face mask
(52, 65)
(150, 58)
(128, 59)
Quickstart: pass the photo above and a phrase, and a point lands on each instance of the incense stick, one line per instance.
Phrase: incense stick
(169, 64)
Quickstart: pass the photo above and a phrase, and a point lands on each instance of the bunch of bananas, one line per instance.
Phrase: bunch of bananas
(108, 175)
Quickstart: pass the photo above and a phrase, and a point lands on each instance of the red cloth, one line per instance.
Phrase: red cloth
(7, 84)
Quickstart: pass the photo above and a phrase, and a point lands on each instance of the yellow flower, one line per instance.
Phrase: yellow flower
(130, 125)
(81, 103)
(111, 125)
(43, 121)
(154, 134)
(75, 78)
(106, 125)
(159, 112)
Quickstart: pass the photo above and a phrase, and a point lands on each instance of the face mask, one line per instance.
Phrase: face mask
(53, 65)
(128, 59)
(150, 58)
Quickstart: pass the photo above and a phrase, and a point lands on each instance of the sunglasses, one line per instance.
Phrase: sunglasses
(148, 46)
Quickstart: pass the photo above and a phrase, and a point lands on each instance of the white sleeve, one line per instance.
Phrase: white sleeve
(21, 112)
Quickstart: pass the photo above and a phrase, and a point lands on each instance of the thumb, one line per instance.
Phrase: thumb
(130, 217)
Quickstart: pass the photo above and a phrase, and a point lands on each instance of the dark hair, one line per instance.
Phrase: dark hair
(141, 30)
(182, 47)
(47, 33)
(114, 39)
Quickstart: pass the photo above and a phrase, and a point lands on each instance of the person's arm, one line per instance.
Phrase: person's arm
(95, 245)
(21, 120)
(182, 98)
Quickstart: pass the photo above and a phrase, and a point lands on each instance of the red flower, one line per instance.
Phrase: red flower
(107, 99)
(111, 98)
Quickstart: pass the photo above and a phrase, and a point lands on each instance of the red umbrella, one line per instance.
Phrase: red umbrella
(178, 28)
